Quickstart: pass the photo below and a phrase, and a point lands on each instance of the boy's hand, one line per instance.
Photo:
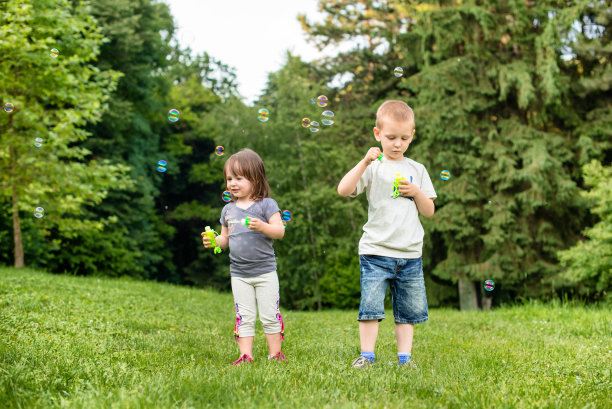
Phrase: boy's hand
(205, 240)
(407, 189)
(372, 155)
(256, 224)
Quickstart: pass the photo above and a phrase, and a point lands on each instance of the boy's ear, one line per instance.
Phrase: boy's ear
(377, 133)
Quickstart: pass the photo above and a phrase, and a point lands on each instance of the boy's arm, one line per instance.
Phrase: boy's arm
(348, 184)
(424, 204)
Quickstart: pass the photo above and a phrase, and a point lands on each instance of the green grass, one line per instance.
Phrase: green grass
(115, 343)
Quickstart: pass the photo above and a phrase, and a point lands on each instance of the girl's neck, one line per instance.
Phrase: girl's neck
(244, 201)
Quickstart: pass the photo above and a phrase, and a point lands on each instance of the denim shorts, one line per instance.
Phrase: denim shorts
(405, 275)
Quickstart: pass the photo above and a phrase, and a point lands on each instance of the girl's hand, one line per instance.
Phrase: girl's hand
(408, 189)
(256, 224)
(205, 240)
(372, 155)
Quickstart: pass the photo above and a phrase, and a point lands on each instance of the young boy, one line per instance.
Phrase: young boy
(398, 189)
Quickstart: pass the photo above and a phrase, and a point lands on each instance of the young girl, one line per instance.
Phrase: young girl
(250, 222)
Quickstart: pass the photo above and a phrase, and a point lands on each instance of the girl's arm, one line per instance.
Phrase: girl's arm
(274, 229)
(223, 238)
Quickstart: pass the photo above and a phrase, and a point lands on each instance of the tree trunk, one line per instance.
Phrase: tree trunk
(467, 295)
(18, 251)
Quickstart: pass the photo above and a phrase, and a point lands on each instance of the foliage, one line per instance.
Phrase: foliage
(89, 342)
(53, 98)
(589, 262)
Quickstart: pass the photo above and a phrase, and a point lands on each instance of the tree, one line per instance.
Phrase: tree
(53, 97)
(589, 262)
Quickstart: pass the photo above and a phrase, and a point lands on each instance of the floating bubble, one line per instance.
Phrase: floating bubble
(398, 71)
(173, 115)
(8, 107)
(445, 175)
(226, 196)
(38, 142)
(263, 114)
(162, 166)
(54, 52)
(38, 215)
(277, 185)
(314, 126)
(305, 122)
(489, 285)
(327, 118)
(286, 215)
(40, 210)
(313, 101)
(322, 100)
(284, 225)
(219, 150)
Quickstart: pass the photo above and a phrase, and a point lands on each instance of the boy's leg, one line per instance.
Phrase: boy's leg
(246, 312)
(409, 303)
(368, 332)
(403, 334)
(268, 302)
(375, 271)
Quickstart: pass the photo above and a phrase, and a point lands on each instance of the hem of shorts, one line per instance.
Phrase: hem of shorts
(371, 317)
(243, 335)
(390, 253)
(422, 320)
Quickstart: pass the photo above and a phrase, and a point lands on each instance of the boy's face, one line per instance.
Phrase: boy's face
(395, 137)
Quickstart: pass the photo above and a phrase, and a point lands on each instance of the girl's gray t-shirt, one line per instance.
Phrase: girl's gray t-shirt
(251, 252)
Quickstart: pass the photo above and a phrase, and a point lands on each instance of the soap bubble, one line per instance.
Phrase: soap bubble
(263, 115)
(284, 225)
(173, 115)
(489, 285)
(305, 122)
(39, 212)
(314, 126)
(445, 175)
(38, 142)
(398, 71)
(313, 101)
(54, 52)
(327, 118)
(286, 215)
(226, 196)
(8, 107)
(219, 150)
(162, 166)
(322, 100)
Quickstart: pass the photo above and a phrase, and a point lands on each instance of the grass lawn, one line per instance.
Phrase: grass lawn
(89, 342)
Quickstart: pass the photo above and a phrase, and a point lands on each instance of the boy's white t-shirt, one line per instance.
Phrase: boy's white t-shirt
(393, 228)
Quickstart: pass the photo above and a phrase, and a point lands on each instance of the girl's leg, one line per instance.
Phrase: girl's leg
(246, 313)
(268, 301)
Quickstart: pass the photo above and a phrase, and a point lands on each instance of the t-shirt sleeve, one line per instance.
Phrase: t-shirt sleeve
(363, 182)
(269, 208)
(222, 219)
(426, 185)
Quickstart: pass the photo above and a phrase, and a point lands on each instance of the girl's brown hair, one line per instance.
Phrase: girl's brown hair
(247, 163)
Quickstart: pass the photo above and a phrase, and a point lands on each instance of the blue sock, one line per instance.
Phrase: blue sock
(402, 358)
(368, 355)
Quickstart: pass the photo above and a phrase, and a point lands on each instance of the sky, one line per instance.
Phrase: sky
(250, 36)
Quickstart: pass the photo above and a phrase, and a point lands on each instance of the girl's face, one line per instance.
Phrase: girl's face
(240, 186)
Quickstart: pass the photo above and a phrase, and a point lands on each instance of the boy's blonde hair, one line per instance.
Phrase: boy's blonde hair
(248, 164)
(396, 110)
